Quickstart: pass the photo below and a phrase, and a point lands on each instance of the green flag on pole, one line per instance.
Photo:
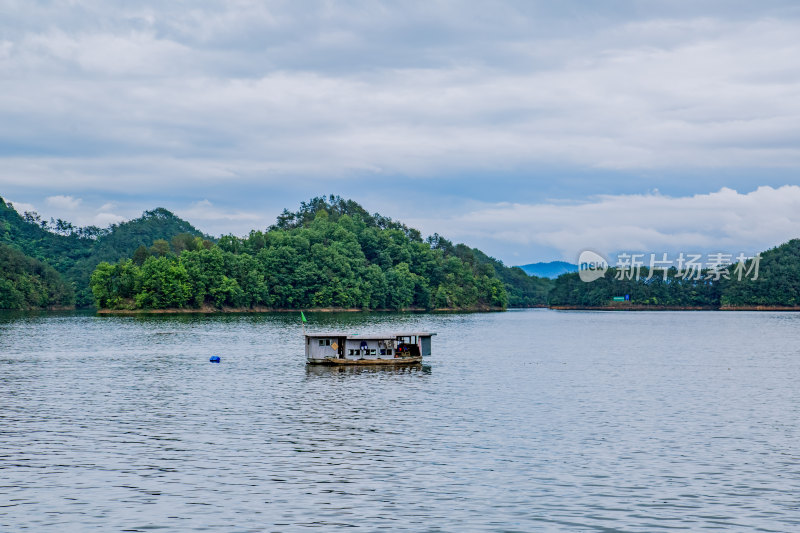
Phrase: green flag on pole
(303, 317)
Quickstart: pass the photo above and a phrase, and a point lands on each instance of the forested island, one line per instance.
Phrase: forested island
(331, 253)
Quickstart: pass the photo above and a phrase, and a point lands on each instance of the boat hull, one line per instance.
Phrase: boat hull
(366, 362)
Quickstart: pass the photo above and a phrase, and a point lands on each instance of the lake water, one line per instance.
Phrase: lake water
(531, 420)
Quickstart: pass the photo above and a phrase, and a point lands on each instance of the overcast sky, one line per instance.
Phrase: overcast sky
(532, 130)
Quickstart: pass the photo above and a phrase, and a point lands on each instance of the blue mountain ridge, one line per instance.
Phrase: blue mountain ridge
(551, 270)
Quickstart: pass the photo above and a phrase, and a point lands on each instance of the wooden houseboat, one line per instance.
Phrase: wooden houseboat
(370, 349)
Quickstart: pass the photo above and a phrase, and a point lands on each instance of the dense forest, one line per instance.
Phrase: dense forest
(27, 283)
(74, 252)
(329, 253)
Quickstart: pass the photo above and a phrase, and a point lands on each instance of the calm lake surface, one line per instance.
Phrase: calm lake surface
(531, 420)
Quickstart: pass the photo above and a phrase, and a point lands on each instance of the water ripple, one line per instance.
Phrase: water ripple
(520, 421)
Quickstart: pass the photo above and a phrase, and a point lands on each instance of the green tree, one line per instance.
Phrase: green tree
(401, 284)
(185, 241)
(165, 284)
(160, 248)
(140, 255)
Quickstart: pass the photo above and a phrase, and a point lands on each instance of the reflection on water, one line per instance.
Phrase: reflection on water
(335, 370)
(519, 421)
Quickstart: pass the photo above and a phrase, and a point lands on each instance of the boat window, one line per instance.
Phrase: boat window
(372, 352)
(414, 339)
(389, 351)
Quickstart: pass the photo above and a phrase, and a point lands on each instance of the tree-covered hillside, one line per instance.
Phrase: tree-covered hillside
(778, 282)
(75, 252)
(523, 290)
(27, 283)
(329, 253)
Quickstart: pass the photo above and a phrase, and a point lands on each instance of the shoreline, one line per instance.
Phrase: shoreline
(632, 308)
(47, 308)
(760, 308)
(674, 308)
(227, 310)
(232, 310)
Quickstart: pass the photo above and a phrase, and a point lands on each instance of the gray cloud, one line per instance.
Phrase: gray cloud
(192, 98)
(487, 89)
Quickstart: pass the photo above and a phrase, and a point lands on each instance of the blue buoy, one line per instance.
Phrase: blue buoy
(214, 359)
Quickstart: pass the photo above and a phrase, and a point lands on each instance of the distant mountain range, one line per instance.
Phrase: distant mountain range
(551, 270)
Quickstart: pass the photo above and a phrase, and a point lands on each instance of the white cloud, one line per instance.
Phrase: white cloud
(229, 100)
(62, 202)
(726, 221)
(128, 53)
(66, 207)
(21, 207)
(106, 219)
(205, 210)
(204, 215)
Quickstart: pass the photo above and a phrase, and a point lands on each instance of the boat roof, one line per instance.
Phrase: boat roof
(369, 336)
